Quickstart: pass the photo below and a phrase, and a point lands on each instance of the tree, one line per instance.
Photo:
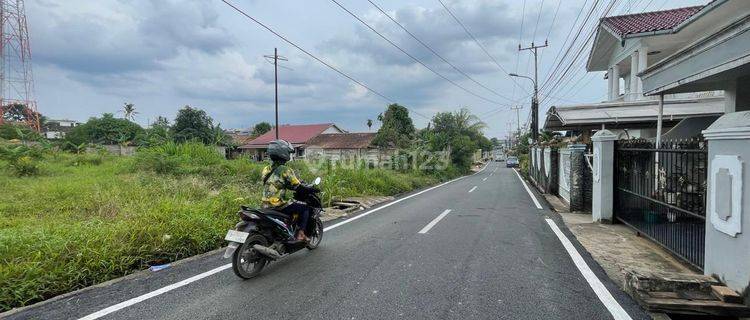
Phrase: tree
(105, 130)
(369, 124)
(261, 128)
(161, 121)
(461, 133)
(193, 124)
(219, 137)
(397, 129)
(158, 134)
(128, 111)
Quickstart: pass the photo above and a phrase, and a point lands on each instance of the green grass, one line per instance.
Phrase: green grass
(85, 219)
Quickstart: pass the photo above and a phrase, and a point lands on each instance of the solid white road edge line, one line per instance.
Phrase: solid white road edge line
(434, 221)
(601, 291)
(531, 194)
(127, 303)
(472, 189)
(130, 302)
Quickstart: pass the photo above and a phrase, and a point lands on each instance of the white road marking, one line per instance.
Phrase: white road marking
(386, 205)
(485, 179)
(472, 189)
(130, 302)
(491, 173)
(531, 194)
(601, 291)
(127, 303)
(434, 221)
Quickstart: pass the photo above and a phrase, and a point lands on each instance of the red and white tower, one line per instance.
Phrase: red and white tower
(16, 79)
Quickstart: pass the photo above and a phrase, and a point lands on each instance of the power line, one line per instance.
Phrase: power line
(480, 44)
(572, 44)
(435, 53)
(413, 57)
(567, 37)
(554, 18)
(538, 17)
(520, 39)
(315, 57)
(580, 50)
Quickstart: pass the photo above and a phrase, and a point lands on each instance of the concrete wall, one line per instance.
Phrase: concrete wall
(728, 200)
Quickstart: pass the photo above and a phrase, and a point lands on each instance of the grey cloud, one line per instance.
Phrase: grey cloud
(130, 36)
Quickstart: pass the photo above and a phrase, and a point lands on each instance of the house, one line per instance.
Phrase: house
(297, 135)
(56, 129)
(623, 48)
(343, 147)
(715, 55)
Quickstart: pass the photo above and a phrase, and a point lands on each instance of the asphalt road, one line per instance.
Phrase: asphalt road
(494, 255)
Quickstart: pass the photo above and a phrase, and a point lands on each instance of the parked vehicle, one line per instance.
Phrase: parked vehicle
(511, 162)
(265, 235)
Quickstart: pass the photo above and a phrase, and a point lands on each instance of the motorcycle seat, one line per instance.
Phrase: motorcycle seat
(268, 212)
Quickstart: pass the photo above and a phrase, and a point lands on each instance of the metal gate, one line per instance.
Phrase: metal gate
(662, 193)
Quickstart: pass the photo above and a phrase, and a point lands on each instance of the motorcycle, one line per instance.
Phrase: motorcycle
(266, 235)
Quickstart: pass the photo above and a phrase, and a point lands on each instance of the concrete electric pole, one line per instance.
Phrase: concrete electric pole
(276, 57)
(535, 99)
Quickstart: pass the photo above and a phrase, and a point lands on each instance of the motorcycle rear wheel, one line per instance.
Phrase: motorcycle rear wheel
(317, 235)
(246, 263)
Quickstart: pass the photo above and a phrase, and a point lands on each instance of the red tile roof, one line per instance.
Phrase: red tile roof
(295, 134)
(240, 139)
(359, 140)
(649, 21)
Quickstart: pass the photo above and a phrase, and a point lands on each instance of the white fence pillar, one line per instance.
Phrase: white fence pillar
(603, 176)
(728, 200)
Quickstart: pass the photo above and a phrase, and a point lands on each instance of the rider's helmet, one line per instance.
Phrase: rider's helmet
(280, 150)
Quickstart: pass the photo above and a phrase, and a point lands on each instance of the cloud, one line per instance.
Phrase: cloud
(115, 37)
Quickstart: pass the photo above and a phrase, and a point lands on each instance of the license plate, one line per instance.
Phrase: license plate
(236, 236)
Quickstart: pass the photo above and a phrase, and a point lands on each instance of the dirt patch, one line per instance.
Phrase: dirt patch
(348, 206)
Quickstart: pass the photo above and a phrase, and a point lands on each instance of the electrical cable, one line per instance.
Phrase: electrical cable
(315, 57)
(413, 57)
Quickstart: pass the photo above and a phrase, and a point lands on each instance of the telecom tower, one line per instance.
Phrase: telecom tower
(16, 79)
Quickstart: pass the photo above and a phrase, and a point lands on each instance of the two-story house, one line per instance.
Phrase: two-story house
(624, 47)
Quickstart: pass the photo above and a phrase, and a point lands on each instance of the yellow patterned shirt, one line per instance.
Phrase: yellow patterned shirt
(281, 179)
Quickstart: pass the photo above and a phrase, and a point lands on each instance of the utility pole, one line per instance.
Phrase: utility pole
(518, 117)
(534, 100)
(276, 57)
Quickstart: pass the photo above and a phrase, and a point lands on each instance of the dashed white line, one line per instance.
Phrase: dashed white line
(130, 302)
(434, 221)
(485, 179)
(472, 189)
(531, 194)
(601, 291)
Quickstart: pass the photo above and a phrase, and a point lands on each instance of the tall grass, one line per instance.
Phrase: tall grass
(90, 218)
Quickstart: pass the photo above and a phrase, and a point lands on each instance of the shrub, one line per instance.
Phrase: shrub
(25, 166)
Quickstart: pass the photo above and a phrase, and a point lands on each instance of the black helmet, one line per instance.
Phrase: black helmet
(280, 150)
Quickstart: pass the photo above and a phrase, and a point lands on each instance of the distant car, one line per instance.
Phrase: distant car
(511, 162)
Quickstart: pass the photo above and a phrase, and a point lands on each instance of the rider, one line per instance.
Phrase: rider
(277, 179)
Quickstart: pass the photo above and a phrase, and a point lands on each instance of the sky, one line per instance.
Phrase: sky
(91, 57)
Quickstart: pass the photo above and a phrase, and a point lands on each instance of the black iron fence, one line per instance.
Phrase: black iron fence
(662, 193)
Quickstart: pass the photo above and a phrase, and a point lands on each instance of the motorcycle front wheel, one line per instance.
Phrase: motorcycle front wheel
(246, 262)
(317, 235)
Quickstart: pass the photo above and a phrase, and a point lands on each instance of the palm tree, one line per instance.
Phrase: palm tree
(369, 124)
(128, 111)
(468, 122)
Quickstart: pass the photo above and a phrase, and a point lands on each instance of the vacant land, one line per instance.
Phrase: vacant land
(74, 220)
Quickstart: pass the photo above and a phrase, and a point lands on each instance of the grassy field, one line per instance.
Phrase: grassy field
(84, 219)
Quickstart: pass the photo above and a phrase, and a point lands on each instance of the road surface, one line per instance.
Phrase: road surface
(477, 247)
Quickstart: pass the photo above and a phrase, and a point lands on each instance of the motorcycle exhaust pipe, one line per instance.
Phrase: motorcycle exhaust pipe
(266, 251)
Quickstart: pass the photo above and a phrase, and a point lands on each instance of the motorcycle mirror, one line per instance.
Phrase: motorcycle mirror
(317, 181)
